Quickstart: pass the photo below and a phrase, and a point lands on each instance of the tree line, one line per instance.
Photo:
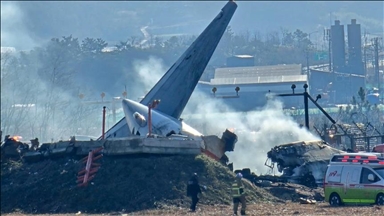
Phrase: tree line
(47, 91)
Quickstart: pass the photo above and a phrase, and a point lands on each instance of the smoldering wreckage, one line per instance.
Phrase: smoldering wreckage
(303, 162)
(153, 127)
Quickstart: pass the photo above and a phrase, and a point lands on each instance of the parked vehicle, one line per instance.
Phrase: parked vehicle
(378, 148)
(355, 178)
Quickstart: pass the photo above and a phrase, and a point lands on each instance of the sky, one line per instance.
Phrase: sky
(28, 24)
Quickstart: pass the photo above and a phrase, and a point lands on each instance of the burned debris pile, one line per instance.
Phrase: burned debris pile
(302, 162)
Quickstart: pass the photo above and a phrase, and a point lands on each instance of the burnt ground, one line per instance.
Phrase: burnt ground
(128, 184)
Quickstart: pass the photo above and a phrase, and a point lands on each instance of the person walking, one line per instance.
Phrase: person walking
(193, 189)
(238, 195)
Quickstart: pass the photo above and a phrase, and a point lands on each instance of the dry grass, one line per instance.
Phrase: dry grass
(264, 208)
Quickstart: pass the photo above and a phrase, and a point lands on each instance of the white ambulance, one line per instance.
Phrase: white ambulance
(355, 178)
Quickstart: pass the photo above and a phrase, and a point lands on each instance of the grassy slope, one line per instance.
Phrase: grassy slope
(122, 184)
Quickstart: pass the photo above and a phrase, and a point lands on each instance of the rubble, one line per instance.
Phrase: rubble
(307, 201)
(303, 162)
(211, 145)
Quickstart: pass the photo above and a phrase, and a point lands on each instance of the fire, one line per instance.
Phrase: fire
(17, 138)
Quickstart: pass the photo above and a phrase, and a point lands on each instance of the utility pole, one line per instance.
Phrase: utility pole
(328, 32)
(103, 124)
(365, 54)
(329, 43)
(307, 58)
(306, 114)
(309, 47)
(377, 69)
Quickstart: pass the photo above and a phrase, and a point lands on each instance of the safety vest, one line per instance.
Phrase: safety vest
(237, 190)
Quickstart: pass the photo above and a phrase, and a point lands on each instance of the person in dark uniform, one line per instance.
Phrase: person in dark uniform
(35, 144)
(193, 189)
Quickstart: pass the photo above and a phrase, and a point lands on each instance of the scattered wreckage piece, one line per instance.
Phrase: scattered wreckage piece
(307, 201)
(260, 180)
(12, 148)
(280, 187)
(304, 162)
(267, 180)
(216, 147)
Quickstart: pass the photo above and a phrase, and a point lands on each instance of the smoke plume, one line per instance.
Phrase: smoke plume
(148, 73)
(258, 131)
(13, 30)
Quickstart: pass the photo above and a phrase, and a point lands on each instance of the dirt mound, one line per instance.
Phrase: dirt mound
(122, 184)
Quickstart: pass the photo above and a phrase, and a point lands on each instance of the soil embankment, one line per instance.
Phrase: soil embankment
(123, 184)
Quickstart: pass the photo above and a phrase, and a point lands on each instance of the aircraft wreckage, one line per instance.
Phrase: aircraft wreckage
(133, 133)
(302, 159)
(296, 161)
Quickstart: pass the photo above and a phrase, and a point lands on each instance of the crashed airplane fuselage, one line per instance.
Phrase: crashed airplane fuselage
(176, 86)
(302, 158)
(136, 115)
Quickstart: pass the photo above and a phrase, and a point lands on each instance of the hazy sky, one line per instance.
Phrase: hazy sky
(27, 24)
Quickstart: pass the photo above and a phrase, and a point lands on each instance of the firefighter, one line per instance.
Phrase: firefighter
(238, 194)
(193, 189)
(35, 144)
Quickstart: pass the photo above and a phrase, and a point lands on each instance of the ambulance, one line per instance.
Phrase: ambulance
(355, 178)
(378, 148)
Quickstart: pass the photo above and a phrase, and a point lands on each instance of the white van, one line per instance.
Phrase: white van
(355, 178)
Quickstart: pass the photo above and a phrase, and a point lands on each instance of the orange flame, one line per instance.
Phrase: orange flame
(231, 129)
(17, 138)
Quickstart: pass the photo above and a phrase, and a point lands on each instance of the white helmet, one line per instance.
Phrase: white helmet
(239, 175)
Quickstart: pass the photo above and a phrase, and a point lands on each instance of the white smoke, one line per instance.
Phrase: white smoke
(258, 131)
(13, 30)
(149, 73)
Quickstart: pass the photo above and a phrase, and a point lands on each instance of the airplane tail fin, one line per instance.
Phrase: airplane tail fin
(176, 86)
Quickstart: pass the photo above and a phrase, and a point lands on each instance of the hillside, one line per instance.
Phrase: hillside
(148, 185)
(126, 183)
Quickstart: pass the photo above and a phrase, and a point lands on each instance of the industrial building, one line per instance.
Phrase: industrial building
(336, 83)
(254, 83)
(347, 73)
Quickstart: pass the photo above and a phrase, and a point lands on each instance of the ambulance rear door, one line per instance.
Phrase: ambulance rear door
(351, 184)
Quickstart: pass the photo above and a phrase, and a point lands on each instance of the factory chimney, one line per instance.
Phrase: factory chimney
(355, 63)
(338, 47)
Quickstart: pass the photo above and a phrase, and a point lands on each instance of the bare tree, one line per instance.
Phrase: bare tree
(56, 73)
(16, 102)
